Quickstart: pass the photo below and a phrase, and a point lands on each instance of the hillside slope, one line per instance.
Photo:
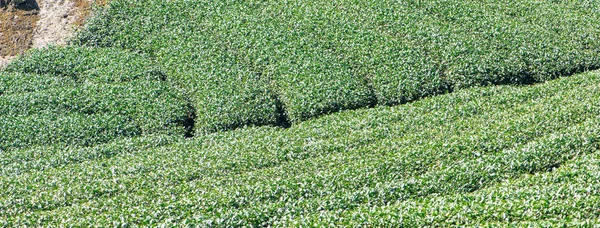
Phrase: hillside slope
(372, 166)
(268, 62)
(296, 113)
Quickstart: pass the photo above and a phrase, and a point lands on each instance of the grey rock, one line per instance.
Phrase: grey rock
(18, 2)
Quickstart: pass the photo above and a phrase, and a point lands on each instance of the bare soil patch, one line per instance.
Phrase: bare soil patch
(56, 23)
(39, 23)
(17, 26)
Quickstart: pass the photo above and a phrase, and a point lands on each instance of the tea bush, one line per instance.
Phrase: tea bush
(330, 170)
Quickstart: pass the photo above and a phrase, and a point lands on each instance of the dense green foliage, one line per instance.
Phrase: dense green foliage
(92, 134)
(324, 56)
(356, 167)
(103, 65)
(15, 83)
(567, 196)
(63, 112)
(225, 94)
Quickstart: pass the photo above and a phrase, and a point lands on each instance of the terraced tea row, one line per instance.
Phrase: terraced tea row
(85, 97)
(84, 64)
(354, 160)
(15, 83)
(567, 196)
(272, 62)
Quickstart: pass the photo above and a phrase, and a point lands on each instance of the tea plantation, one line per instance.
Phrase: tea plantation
(320, 113)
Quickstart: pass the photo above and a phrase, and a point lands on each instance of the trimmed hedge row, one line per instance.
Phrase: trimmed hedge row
(20, 161)
(47, 128)
(305, 84)
(91, 113)
(449, 144)
(319, 57)
(14, 83)
(224, 93)
(98, 65)
(565, 196)
(463, 175)
(293, 49)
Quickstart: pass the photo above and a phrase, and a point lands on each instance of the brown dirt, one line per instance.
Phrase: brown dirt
(17, 25)
(39, 23)
(84, 9)
(4, 60)
(55, 25)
